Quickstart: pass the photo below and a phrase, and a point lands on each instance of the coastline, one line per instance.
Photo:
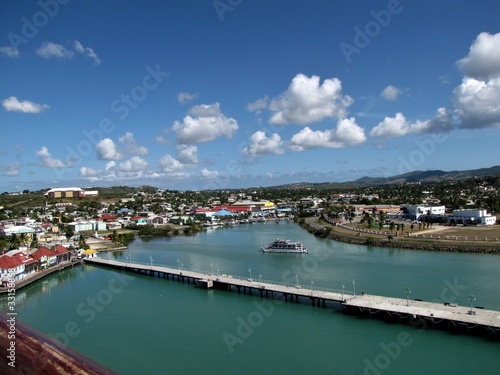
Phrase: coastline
(312, 226)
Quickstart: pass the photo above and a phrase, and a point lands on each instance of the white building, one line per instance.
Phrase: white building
(417, 210)
(474, 215)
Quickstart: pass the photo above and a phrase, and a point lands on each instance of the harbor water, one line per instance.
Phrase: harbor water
(134, 323)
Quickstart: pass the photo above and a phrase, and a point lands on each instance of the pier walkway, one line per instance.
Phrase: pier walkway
(415, 312)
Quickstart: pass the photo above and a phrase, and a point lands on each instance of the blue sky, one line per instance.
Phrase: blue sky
(238, 93)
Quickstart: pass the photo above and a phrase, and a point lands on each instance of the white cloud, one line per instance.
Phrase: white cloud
(399, 126)
(49, 50)
(187, 154)
(347, 133)
(107, 150)
(204, 123)
(131, 145)
(110, 165)
(87, 51)
(483, 60)
(257, 105)
(187, 157)
(390, 93)
(12, 104)
(306, 101)
(477, 103)
(170, 164)
(88, 172)
(134, 164)
(9, 51)
(185, 97)
(47, 160)
(260, 144)
(396, 126)
(209, 174)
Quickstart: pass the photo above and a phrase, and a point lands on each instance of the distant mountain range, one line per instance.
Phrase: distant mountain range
(410, 177)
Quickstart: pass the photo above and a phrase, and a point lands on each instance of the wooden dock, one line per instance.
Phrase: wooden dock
(420, 314)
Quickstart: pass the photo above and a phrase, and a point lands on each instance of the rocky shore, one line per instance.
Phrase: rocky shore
(312, 226)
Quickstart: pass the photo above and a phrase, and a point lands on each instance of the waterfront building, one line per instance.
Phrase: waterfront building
(473, 216)
(45, 257)
(16, 264)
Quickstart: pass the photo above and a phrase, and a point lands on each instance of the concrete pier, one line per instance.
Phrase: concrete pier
(417, 313)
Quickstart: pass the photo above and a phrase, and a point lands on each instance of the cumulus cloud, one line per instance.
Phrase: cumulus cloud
(87, 172)
(110, 165)
(47, 160)
(9, 51)
(209, 174)
(13, 104)
(260, 144)
(204, 123)
(391, 127)
(347, 133)
(187, 157)
(186, 97)
(399, 126)
(483, 60)
(307, 101)
(169, 164)
(87, 51)
(477, 103)
(134, 164)
(49, 50)
(187, 154)
(131, 145)
(107, 150)
(257, 105)
(390, 93)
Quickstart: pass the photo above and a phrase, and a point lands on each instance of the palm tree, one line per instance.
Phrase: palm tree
(14, 242)
(392, 226)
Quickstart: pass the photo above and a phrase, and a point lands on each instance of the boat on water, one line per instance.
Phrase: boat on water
(284, 246)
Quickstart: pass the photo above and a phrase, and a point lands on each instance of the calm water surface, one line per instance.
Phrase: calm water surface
(138, 324)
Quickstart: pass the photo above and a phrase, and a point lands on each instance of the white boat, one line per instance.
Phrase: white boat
(284, 246)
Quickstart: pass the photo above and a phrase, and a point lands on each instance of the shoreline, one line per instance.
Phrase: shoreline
(38, 275)
(319, 230)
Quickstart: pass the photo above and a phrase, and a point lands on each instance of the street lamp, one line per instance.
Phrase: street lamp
(297, 278)
(354, 287)
(408, 292)
(471, 298)
(212, 265)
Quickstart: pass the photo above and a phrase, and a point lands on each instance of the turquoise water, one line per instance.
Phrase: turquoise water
(139, 324)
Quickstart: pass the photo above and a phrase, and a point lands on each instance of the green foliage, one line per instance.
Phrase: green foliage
(370, 241)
